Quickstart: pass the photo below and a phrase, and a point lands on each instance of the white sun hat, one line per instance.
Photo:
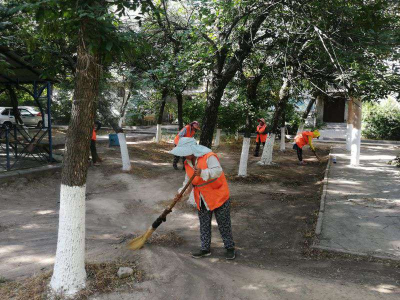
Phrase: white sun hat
(188, 146)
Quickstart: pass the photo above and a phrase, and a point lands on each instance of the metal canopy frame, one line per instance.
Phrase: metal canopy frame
(16, 143)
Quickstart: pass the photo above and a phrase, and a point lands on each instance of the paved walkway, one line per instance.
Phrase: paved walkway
(362, 205)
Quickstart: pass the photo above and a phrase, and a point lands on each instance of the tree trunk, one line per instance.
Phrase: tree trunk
(350, 118)
(283, 133)
(69, 274)
(14, 104)
(179, 99)
(126, 162)
(217, 138)
(244, 157)
(266, 158)
(164, 95)
(114, 122)
(211, 112)
(356, 133)
(223, 73)
(283, 142)
(306, 113)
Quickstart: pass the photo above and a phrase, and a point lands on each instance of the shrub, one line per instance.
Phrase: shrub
(382, 121)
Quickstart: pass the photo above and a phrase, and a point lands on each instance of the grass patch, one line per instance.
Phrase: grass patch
(101, 279)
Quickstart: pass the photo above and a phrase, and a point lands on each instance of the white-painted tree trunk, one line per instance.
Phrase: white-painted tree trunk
(120, 122)
(237, 136)
(283, 135)
(266, 157)
(244, 157)
(217, 138)
(158, 133)
(301, 128)
(349, 136)
(350, 117)
(69, 274)
(355, 147)
(126, 163)
(356, 133)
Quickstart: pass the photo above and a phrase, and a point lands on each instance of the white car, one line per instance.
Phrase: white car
(29, 115)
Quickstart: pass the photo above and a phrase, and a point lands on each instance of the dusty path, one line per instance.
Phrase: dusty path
(273, 213)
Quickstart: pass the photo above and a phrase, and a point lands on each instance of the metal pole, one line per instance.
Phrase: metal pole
(7, 149)
(49, 94)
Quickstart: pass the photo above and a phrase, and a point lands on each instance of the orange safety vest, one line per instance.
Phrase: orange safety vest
(260, 133)
(94, 136)
(189, 133)
(215, 191)
(302, 138)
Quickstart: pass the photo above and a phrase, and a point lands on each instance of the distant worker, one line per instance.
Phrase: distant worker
(93, 150)
(261, 135)
(303, 139)
(187, 131)
(211, 194)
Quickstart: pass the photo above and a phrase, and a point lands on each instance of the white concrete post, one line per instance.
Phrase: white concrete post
(158, 133)
(244, 157)
(356, 133)
(126, 162)
(69, 275)
(283, 135)
(266, 157)
(217, 138)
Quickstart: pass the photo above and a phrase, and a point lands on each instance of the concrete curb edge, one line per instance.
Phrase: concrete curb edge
(363, 254)
(11, 174)
(318, 228)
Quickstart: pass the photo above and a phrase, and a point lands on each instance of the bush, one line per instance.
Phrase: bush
(382, 121)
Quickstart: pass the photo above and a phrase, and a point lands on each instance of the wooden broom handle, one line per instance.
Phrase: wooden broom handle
(163, 216)
(182, 192)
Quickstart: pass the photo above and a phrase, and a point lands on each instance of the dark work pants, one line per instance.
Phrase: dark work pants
(222, 214)
(176, 159)
(93, 150)
(257, 151)
(299, 152)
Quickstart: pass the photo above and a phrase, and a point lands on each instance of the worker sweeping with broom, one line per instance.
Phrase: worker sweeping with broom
(204, 176)
(303, 139)
(211, 194)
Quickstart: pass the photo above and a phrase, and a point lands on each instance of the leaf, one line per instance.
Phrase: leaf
(109, 45)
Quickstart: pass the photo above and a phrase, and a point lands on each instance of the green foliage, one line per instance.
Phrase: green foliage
(193, 109)
(292, 119)
(381, 121)
(61, 106)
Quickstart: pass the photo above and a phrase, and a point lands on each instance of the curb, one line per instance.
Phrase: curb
(363, 254)
(17, 173)
(318, 228)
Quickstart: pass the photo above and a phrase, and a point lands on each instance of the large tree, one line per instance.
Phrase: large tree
(92, 27)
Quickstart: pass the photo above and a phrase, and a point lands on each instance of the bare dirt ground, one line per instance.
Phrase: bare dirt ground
(273, 213)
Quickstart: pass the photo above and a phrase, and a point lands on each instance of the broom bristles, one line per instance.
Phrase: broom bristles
(138, 242)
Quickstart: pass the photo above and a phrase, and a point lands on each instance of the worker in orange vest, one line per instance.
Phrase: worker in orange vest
(261, 135)
(211, 194)
(303, 139)
(187, 131)
(93, 150)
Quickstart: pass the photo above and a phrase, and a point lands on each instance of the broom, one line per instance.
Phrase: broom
(138, 242)
(317, 156)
